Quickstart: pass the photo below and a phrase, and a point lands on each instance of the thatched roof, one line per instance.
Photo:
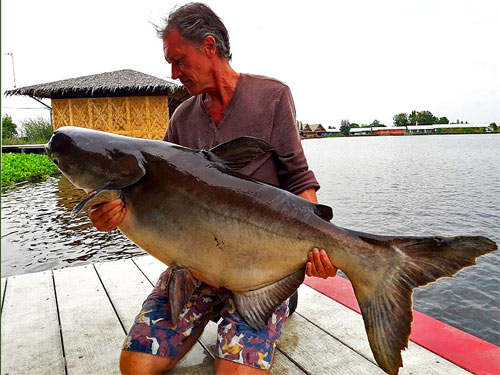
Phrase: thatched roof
(118, 83)
(314, 128)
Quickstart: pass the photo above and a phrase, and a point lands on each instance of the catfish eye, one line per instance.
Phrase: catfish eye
(55, 161)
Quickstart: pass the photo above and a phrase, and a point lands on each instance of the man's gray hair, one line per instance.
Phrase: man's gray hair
(196, 21)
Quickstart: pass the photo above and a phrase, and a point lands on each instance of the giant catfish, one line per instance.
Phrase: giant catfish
(193, 211)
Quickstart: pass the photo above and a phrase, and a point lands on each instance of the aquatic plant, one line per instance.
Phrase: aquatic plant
(22, 167)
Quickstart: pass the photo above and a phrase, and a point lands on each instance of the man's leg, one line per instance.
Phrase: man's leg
(241, 349)
(225, 367)
(154, 343)
(144, 363)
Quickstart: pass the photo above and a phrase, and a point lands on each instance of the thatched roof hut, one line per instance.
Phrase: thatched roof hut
(123, 102)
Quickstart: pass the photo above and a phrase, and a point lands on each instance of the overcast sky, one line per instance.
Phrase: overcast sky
(358, 60)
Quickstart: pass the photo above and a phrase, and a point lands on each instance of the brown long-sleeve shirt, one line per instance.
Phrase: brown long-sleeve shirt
(260, 107)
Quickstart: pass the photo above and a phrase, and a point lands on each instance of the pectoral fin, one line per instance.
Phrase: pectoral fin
(181, 285)
(102, 196)
(239, 152)
(257, 306)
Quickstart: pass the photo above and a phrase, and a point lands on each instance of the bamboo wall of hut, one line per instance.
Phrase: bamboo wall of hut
(124, 102)
(135, 116)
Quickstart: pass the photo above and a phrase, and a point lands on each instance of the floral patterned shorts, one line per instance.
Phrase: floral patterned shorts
(154, 333)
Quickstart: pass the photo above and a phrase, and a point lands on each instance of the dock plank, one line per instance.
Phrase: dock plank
(127, 288)
(348, 325)
(91, 331)
(318, 352)
(2, 291)
(151, 267)
(31, 341)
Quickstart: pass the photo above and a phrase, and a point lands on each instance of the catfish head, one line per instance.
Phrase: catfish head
(95, 161)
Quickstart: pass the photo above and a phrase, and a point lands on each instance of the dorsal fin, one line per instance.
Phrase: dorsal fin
(323, 211)
(239, 152)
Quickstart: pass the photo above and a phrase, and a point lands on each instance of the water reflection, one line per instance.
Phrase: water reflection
(38, 232)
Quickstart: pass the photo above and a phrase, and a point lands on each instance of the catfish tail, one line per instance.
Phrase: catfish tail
(386, 300)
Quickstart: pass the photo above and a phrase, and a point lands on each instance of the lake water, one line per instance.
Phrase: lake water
(417, 185)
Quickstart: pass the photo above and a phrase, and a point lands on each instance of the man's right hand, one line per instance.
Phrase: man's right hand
(107, 216)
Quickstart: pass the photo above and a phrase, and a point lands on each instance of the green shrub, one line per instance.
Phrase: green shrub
(460, 130)
(37, 130)
(22, 167)
(9, 129)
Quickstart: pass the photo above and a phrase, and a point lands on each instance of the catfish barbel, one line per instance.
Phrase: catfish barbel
(194, 212)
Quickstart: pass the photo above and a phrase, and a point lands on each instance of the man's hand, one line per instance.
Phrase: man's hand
(107, 216)
(319, 264)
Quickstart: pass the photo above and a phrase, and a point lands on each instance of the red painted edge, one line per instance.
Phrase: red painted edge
(469, 352)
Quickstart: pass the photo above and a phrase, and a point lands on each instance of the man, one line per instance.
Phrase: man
(224, 106)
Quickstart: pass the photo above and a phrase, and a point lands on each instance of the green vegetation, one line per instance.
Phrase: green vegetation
(22, 167)
(34, 131)
(401, 119)
(460, 130)
(9, 129)
(345, 127)
(418, 118)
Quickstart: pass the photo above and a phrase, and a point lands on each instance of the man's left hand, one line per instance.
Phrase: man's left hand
(319, 264)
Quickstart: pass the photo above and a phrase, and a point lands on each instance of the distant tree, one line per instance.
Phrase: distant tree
(376, 123)
(494, 126)
(9, 129)
(426, 118)
(345, 122)
(401, 119)
(354, 125)
(345, 126)
(412, 118)
(443, 120)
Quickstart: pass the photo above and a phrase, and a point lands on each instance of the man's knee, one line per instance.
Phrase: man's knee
(143, 363)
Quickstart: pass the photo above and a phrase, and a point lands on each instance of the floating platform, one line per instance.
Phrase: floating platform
(24, 149)
(74, 320)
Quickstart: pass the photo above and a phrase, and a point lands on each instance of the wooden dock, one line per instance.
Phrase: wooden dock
(74, 320)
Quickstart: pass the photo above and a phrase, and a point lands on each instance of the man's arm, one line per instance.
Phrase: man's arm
(319, 263)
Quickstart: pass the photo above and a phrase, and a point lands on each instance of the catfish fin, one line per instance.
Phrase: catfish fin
(386, 300)
(102, 196)
(257, 306)
(181, 285)
(323, 211)
(135, 171)
(239, 152)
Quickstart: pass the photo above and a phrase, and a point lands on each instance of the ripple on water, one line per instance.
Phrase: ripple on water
(38, 232)
(421, 186)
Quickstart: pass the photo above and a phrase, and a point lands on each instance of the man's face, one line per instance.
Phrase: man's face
(190, 64)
